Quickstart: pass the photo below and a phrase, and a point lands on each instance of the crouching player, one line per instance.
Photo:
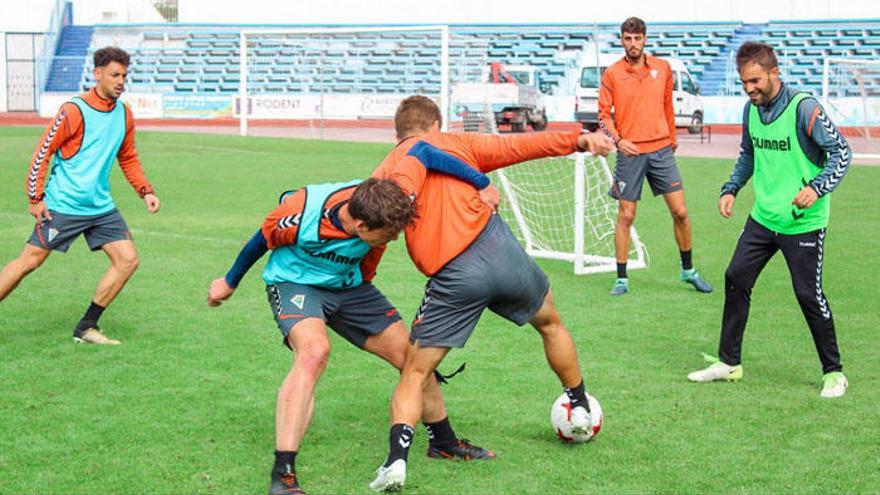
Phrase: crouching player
(326, 241)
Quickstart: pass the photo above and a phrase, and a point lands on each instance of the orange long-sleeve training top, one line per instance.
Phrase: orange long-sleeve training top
(450, 213)
(642, 102)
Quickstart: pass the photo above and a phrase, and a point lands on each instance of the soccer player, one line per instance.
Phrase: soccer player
(797, 158)
(639, 89)
(326, 241)
(88, 133)
(478, 264)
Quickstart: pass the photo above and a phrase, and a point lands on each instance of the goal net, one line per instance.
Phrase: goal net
(559, 208)
(851, 95)
(317, 75)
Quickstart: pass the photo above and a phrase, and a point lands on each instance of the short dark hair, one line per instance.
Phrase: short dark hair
(633, 25)
(108, 54)
(416, 113)
(756, 52)
(382, 204)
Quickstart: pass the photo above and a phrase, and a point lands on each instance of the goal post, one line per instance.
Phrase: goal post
(319, 74)
(559, 209)
(851, 96)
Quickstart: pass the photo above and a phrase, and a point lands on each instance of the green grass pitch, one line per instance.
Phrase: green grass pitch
(186, 404)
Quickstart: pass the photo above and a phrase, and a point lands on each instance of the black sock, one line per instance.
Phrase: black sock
(285, 462)
(621, 270)
(577, 396)
(90, 319)
(686, 262)
(440, 434)
(399, 442)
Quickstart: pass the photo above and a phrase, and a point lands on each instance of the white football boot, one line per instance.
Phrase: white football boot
(834, 385)
(716, 371)
(391, 478)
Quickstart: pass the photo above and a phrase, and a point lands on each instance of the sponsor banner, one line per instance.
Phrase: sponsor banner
(144, 105)
(317, 106)
(559, 108)
(723, 109)
(196, 106)
(844, 112)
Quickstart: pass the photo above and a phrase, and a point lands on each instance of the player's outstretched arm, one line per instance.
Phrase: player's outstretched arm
(222, 288)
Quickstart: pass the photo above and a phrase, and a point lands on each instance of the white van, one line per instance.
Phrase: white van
(685, 96)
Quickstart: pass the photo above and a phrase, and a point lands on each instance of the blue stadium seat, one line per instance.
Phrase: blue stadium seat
(207, 57)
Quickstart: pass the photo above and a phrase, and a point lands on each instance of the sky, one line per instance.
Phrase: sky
(517, 11)
(33, 15)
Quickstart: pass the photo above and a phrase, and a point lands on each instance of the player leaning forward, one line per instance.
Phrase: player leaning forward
(326, 242)
(796, 157)
(87, 135)
(478, 264)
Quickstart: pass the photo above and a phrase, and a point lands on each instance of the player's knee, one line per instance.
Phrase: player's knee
(807, 295)
(417, 371)
(680, 215)
(736, 279)
(626, 216)
(128, 264)
(314, 359)
(551, 327)
(547, 321)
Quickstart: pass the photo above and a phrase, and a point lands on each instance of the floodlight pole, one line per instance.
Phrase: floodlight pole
(444, 77)
(242, 84)
(825, 82)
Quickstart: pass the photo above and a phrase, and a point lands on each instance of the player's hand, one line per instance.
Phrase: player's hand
(805, 198)
(490, 197)
(596, 143)
(219, 292)
(628, 147)
(152, 202)
(40, 211)
(725, 205)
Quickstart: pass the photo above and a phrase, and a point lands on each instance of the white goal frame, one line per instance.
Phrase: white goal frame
(830, 107)
(583, 262)
(443, 30)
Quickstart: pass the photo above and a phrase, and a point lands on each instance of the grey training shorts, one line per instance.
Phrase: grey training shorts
(354, 313)
(493, 272)
(630, 172)
(60, 232)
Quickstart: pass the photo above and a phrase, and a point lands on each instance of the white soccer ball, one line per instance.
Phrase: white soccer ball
(560, 417)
